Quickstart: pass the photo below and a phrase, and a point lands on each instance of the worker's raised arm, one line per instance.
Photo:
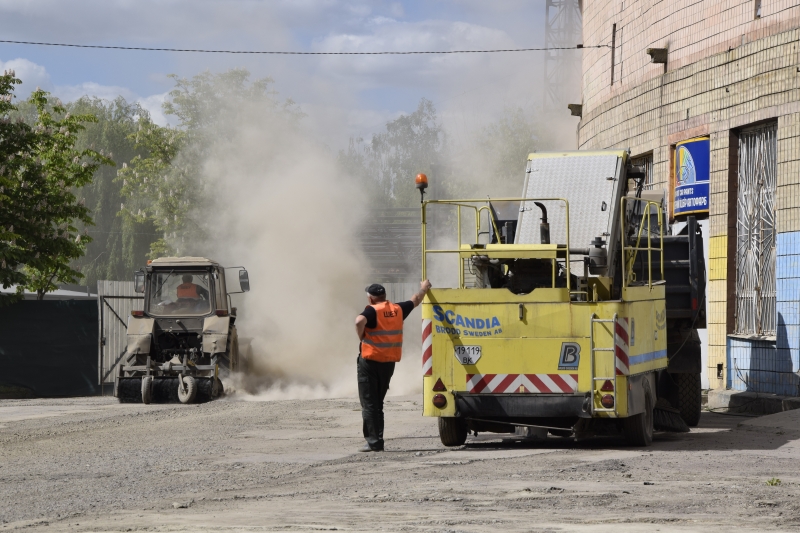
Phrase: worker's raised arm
(423, 288)
(361, 324)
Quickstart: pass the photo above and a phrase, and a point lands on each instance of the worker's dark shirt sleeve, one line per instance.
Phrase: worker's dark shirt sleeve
(372, 319)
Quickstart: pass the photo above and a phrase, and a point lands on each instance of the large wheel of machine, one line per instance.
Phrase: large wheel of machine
(229, 361)
(187, 391)
(690, 397)
(217, 389)
(638, 429)
(452, 430)
(147, 389)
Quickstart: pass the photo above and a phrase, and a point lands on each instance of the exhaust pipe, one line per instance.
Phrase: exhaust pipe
(544, 227)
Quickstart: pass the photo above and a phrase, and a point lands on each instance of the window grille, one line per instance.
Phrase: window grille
(647, 162)
(755, 232)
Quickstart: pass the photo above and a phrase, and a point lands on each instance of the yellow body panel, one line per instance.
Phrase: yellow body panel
(525, 334)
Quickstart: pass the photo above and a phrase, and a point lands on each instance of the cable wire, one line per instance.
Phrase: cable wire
(275, 52)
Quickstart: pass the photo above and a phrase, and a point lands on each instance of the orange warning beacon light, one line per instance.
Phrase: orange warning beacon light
(422, 184)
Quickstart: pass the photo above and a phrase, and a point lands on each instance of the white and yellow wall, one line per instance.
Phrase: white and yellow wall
(727, 69)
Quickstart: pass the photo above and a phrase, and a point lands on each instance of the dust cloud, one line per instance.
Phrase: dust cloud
(281, 208)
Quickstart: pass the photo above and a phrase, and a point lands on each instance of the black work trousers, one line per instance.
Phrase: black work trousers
(373, 382)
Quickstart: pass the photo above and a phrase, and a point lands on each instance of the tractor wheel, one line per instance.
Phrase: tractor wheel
(638, 429)
(147, 389)
(690, 397)
(452, 430)
(187, 390)
(233, 351)
(217, 390)
(229, 361)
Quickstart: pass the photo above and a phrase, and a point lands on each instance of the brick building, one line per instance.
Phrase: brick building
(728, 72)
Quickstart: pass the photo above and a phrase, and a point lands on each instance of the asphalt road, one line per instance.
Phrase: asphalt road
(90, 464)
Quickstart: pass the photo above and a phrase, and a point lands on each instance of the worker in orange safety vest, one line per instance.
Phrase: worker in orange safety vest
(380, 329)
(187, 289)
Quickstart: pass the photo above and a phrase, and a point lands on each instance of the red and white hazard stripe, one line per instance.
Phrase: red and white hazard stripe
(520, 383)
(427, 347)
(621, 340)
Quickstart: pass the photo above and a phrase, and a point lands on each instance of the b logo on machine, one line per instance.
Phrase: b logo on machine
(570, 356)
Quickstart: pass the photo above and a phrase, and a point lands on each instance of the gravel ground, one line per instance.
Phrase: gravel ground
(91, 464)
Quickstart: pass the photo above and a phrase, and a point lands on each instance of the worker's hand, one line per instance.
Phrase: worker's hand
(423, 288)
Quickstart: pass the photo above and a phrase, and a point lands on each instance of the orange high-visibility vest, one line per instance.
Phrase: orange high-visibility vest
(188, 290)
(384, 343)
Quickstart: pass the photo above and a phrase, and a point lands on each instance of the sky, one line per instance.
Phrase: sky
(342, 95)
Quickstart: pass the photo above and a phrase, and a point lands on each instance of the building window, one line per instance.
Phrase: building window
(755, 232)
(758, 9)
(647, 162)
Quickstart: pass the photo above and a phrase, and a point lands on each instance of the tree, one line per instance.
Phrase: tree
(119, 244)
(56, 169)
(39, 172)
(16, 207)
(411, 144)
(501, 152)
(165, 187)
(158, 188)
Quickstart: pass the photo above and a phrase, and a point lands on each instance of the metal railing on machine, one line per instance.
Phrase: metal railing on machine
(629, 252)
(469, 204)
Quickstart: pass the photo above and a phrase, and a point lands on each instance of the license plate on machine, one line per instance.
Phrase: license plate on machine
(468, 355)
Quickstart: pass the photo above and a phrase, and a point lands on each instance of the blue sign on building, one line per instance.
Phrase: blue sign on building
(692, 165)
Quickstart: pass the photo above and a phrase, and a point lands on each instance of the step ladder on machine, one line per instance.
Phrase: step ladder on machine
(593, 361)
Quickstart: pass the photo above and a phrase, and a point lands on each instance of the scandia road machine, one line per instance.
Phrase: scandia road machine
(184, 337)
(574, 314)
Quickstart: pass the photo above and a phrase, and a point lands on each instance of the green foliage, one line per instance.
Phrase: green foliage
(774, 482)
(388, 164)
(16, 141)
(119, 244)
(41, 169)
(156, 188)
(490, 162)
(506, 144)
(165, 187)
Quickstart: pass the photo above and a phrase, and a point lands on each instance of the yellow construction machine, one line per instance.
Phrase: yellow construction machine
(586, 327)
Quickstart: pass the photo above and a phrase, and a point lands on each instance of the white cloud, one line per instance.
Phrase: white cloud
(153, 104)
(31, 74)
(397, 10)
(69, 93)
(361, 92)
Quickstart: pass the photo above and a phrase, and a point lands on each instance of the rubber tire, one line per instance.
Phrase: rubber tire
(147, 389)
(217, 389)
(229, 361)
(188, 395)
(638, 429)
(690, 397)
(452, 430)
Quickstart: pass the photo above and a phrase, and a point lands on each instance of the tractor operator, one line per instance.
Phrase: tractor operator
(380, 329)
(190, 290)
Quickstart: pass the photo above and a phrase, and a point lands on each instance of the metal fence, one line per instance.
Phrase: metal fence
(391, 242)
(115, 300)
(48, 347)
(400, 292)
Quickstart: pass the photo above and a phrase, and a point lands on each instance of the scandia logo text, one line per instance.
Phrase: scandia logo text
(454, 319)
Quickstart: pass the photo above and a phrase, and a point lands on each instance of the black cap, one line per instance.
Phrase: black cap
(376, 290)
